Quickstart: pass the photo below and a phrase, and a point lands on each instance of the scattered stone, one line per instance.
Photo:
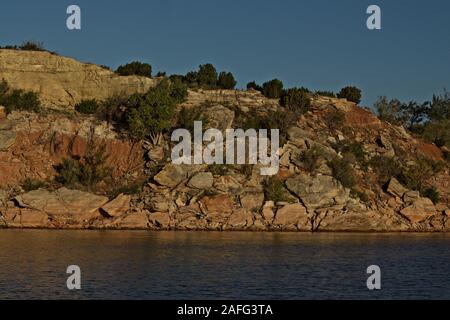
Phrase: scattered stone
(396, 189)
(202, 180)
(419, 211)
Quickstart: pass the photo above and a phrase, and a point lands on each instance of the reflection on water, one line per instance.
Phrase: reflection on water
(197, 265)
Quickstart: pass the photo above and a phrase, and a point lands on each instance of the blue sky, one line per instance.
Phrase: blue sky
(319, 44)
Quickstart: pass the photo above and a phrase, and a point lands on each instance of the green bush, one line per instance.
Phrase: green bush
(343, 172)
(33, 184)
(414, 176)
(87, 171)
(135, 68)
(226, 80)
(350, 93)
(385, 168)
(18, 99)
(87, 106)
(351, 150)
(335, 120)
(151, 114)
(187, 117)
(274, 189)
(32, 46)
(178, 91)
(207, 76)
(310, 159)
(432, 194)
(253, 85)
(273, 89)
(325, 93)
(297, 100)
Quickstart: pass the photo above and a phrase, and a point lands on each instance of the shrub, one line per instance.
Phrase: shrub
(33, 184)
(178, 91)
(385, 168)
(353, 150)
(343, 172)
(32, 46)
(113, 109)
(151, 113)
(335, 120)
(326, 94)
(352, 94)
(187, 117)
(310, 159)
(273, 89)
(87, 171)
(207, 76)
(87, 106)
(135, 68)
(432, 194)
(413, 177)
(296, 100)
(253, 85)
(274, 189)
(18, 99)
(226, 81)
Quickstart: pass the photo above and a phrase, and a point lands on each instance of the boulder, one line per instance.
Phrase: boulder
(7, 139)
(419, 211)
(220, 204)
(240, 219)
(228, 184)
(218, 117)
(62, 201)
(411, 196)
(292, 215)
(318, 192)
(395, 188)
(267, 211)
(202, 180)
(160, 219)
(134, 221)
(29, 218)
(118, 206)
(171, 175)
(252, 201)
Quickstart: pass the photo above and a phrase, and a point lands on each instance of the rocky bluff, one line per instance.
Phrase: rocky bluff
(310, 193)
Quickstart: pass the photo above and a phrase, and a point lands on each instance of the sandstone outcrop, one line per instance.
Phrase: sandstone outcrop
(62, 81)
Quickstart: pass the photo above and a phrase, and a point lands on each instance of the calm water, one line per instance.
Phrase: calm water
(178, 265)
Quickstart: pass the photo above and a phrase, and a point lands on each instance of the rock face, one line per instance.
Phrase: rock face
(319, 191)
(304, 196)
(116, 207)
(62, 81)
(62, 201)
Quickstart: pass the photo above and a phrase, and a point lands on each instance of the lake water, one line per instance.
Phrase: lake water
(201, 265)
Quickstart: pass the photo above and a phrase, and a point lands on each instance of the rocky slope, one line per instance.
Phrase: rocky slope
(201, 197)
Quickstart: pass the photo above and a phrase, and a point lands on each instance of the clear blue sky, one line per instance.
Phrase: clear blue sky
(319, 44)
